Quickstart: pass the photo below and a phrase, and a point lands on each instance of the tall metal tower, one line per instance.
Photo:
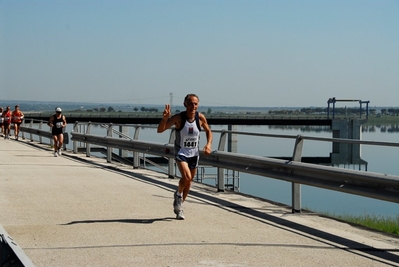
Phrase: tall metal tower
(171, 100)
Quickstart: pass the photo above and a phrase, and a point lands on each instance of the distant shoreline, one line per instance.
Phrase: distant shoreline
(46, 106)
(372, 119)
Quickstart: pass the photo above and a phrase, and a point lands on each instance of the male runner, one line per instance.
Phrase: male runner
(57, 122)
(188, 125)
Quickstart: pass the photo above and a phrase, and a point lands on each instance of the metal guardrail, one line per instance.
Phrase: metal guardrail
(40, 132)
(10, 253)
(367, 184)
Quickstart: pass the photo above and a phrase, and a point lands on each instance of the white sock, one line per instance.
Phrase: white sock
(179, 194)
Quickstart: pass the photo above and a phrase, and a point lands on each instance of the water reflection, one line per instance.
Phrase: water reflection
(384, 128)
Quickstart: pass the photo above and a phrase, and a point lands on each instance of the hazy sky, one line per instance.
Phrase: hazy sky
(229, 52)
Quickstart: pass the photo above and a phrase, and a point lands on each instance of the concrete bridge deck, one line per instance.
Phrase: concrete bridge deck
(78, 211)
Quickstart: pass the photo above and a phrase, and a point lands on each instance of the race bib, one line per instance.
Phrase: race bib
(190, 142)
(1, 119)
(7, 119)
(58, 124)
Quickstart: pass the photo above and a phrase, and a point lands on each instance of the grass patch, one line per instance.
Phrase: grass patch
(384, 224)
(382, 120)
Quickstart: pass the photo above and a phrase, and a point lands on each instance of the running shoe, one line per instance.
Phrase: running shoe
(177, 203)
(180, 215)
(59, 152)
(55, 154)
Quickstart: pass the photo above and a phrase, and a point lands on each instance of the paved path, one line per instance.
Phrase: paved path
(78, 211)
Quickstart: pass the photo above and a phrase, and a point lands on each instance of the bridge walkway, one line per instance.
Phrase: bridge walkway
(78, 211)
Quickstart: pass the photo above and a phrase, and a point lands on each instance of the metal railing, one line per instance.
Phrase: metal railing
(28, 128)
(11, 254)
(367, 184)
(86, 128)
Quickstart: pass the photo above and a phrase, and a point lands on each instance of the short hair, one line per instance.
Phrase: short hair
(190, 95)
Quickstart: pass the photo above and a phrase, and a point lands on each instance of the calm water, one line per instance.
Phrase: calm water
(379, 159)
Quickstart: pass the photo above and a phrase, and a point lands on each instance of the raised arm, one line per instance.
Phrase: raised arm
(168, 121)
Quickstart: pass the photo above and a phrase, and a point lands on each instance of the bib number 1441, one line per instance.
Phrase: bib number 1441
(190, 144)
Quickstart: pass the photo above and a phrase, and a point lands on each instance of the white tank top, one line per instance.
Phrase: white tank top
(187, 140)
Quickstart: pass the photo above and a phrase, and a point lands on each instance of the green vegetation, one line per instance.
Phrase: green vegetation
(382, 120)
(384, 224)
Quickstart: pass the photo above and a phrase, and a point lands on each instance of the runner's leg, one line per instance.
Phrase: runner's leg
(60, 140)
(55, 138)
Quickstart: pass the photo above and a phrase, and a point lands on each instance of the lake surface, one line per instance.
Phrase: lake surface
(379, 159)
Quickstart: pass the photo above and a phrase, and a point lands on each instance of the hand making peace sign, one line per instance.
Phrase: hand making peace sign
(166, 111)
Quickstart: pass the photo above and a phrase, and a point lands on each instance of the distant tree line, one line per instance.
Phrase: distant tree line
(144, 109)
(307, 111)
(390, 111)
(102, 109)
(284, 112)
(111, 109)
(338, 111)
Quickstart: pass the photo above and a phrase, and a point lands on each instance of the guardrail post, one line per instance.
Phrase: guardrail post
(88, 145)
(295, 187)
(40, 137)
(66, 139)
(31, 126)
(23, 124)
(75, 143)
(232, 142)
(136, 155)
(109, 149)
(125, 132)
(221, 147)
(232, 139)
(171, 161)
